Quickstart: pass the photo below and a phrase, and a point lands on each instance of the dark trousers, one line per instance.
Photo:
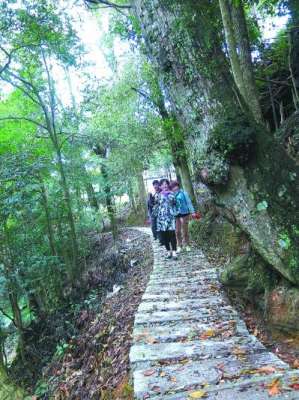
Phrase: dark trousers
(168, 239)
(154, 227)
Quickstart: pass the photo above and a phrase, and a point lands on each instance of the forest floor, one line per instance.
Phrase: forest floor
(81, 351)
(96, 362)
(283, 344)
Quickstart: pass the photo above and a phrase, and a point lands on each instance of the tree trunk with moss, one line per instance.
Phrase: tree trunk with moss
(238, 45)
(142, 195)
(8, 390)
(103, 152)
(176, 140)
(294, 48)
(249, 170)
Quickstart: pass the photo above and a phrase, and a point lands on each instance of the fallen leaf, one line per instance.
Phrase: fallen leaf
(199, 394)
(163, 373)
(151, 340)
(288, 341)
(164, 362)
(238, 351)
(207, 334)
(149, 372)
(267, 369)
(274, 387)
(294, 386)
(296, 363)
(227, 334)
(173, 379)
(156, 389)
(184, 361)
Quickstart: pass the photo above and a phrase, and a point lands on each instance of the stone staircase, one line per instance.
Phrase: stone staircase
(189, 342)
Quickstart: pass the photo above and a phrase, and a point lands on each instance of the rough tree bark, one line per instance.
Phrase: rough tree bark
(8, 390)
(10, 274)
(131, 195)
(238, 45)
(75, 271)
(176, 140)
(249, 170)
(142, 195)
(91, 195)
(294, 48)
(50, 229)
(103, 152)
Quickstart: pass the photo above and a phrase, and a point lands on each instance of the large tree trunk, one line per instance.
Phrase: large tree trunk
(142, 195)
(176, 140)
(249, 171)
(50, 230)
(8, 390)
(109, 202)
(10, 273)
(70, 215)
(103, 151)
(237, 39)
(92, 198)
(132, 196)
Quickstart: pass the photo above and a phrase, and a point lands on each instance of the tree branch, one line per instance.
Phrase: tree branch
(281, 83)
(30, 86)
(50, 90)
(146, 96)
(108, 4)
(13, 118)
(9, 57)
(20, 88)
(158, 104)
(8, 316)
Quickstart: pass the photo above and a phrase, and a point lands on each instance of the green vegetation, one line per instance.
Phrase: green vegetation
(196, 87)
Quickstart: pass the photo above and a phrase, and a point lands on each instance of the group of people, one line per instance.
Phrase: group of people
(169, 209)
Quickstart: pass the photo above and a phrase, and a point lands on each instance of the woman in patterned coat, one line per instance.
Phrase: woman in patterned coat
(166, 218)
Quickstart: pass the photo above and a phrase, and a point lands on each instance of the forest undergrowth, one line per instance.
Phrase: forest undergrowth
(283, 344)
(81, 351)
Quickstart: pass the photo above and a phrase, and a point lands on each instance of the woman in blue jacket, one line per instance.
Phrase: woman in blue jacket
(185, 209)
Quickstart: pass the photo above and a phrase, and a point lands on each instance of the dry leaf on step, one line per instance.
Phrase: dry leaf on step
(149, 372)
(274, 387)
(199, 394)
(267, 369)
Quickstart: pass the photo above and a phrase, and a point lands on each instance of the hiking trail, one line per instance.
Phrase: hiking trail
(190, 343)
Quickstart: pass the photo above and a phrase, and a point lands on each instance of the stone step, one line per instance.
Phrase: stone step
(174, 279)
(176, 282)
(254, 388)
(196, 350)
(191, 330)
(223, 312)
(150, 307)
(172, 269)
(170, 296)
(184, 376)
(178, 289)
(187, 337)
